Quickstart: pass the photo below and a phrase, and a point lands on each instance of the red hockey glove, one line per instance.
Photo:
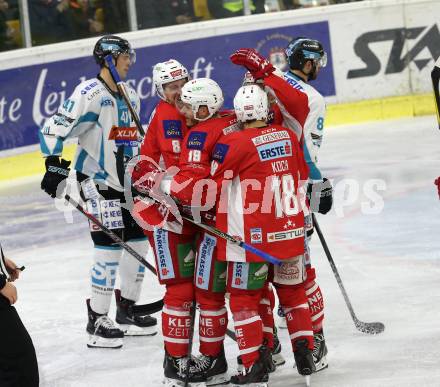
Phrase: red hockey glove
(257, 64)
(437, 183)
(145, 176)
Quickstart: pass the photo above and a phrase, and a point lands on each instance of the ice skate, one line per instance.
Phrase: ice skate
(133, 324)
(213, 370)
(319, 351)
(304, 360)
(102, 331)
(256, 375)
(175, 372)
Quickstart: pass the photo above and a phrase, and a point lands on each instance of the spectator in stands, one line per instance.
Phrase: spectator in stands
(5, 38)
(201, 10)
(230, 8)
(159, 13)
(49, 21)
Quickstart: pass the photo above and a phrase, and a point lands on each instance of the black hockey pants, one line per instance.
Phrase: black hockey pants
(18, 362)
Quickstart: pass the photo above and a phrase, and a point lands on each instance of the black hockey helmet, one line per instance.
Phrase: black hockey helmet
(114, 45)
(301, 49)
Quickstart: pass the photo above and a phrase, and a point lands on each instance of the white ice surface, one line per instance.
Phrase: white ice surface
(389, 262)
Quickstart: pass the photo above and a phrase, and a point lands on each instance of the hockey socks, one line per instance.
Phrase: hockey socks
(212, 329)
(315, 300)
(176, 319)
(103, 275)
(131, 272)
(247, 323)
(296, 310)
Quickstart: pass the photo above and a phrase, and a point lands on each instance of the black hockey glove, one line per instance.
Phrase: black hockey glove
(56, 173)
(320, 195)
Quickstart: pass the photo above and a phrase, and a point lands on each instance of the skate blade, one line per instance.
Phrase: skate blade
(167, 382)
(134, 330)
(258, 384)
(218, 380)
(321, 365)
(100, 342)
(307, 379)
(278, 359)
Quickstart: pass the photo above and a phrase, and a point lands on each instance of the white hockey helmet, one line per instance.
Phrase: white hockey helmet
(251, 103)
(202, 92)
(250, 80)
(166, 72)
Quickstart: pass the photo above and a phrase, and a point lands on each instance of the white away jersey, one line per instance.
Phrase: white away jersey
(101, 121)
(314, 125)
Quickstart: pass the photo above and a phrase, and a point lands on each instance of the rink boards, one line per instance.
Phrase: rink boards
(380, 57)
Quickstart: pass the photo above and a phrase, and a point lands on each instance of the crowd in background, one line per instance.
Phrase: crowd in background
(54, 21)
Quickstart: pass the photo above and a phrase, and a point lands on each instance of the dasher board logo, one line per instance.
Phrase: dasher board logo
(272, 46)
(124, 136)
(172, 129)
(423, 40)
(275, 150)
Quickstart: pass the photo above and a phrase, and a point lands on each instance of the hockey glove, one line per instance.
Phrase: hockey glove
(257, 64)
(56, 173)
(320, 195)
(437, 183)
(145, 176)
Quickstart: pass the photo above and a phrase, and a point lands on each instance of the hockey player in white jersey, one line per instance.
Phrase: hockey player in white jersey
(306, 57)
(98, 116)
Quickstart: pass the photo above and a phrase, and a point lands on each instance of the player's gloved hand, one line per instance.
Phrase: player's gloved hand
(257, 64)
(320, 195)
(437, 183)
(145, 177)
(56, 173)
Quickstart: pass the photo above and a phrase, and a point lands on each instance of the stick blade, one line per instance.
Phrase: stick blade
(373, 328)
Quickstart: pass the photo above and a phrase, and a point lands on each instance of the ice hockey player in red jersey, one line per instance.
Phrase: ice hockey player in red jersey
(260, 172)
(173, 244)
(201, 100)
(305, 57)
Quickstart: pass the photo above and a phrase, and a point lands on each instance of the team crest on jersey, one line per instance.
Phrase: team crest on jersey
(219, 152)
(275, 150)
(172, 128)
(196, 140)
(124, 136)
(256, 235)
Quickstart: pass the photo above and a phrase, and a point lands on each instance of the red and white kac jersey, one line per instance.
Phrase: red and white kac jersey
(162, 144)
(196, 156)
(293, 105)
(258, 173)
(165, 133)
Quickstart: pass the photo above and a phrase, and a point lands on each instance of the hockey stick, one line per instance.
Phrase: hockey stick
(267, 257)
(372, 328)
(435, 76)
(121, 87)
(145, 308)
